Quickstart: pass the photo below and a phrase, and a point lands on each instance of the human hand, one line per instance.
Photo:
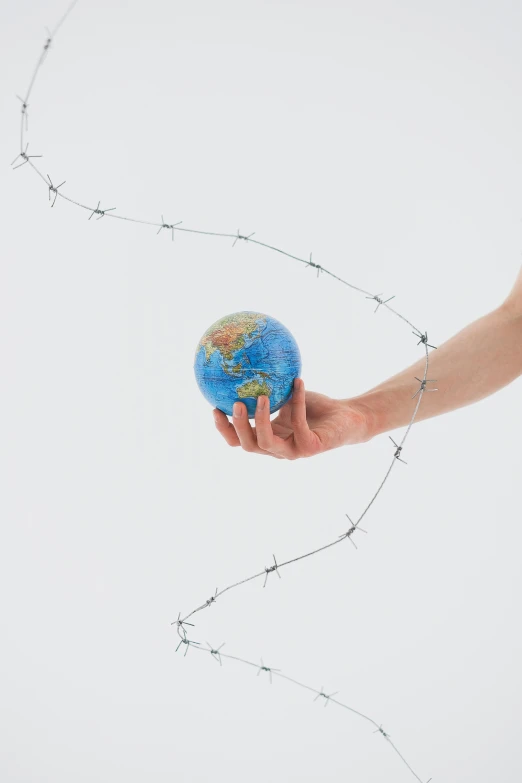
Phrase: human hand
(308, 424)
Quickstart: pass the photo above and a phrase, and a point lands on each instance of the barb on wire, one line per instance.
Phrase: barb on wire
(54, 189)
(381, 731)
(423, 385)
(423, 339)
(349, 533)
(48, 42)
(25, 106)
(326, 696)
(270, 569)
(268, 669)
(187, 643)
(181, 623)
(311, 263)
(397, 454)
(171, 226)
(25, 157)
(378, 299)
(240, 236)
(100, 212)
(212, 598)
(215, 653)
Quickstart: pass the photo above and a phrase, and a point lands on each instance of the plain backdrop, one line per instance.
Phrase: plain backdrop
(383, 138)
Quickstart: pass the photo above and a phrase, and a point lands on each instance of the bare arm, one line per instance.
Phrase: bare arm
(480, 359)
(514, 298)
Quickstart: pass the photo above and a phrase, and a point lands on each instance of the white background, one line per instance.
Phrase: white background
(383, 137)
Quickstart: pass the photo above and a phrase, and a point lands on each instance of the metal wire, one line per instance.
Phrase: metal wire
(180, 622)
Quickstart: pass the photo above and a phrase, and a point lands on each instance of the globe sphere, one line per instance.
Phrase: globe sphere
(244, 355)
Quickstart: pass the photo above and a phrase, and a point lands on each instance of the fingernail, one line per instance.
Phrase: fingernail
(261, 402)
(216, 418)
(237, 410)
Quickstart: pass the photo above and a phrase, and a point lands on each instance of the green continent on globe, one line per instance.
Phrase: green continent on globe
(253, 389)
(228, 334)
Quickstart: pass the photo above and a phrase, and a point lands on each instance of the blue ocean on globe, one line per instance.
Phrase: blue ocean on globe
(244, 355)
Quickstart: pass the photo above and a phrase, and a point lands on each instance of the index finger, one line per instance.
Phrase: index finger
(266, 439)
(302, 433)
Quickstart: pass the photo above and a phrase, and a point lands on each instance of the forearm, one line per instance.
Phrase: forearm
(480, 359)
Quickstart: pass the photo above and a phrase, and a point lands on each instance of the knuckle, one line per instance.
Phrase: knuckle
(263, 442)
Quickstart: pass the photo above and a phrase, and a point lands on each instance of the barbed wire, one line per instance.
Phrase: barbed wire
(180, 622)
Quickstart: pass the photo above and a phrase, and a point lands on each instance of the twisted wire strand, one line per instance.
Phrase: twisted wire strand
(423, 338)
(277, 673)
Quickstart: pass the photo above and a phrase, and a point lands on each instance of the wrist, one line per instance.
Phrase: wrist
(362, 418)
(373, 413)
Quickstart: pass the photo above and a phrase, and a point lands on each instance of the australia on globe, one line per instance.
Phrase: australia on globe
(245, 355)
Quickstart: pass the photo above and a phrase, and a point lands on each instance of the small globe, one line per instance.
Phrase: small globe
(244, 355)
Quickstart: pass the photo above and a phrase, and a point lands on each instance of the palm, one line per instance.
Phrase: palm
(332, 424)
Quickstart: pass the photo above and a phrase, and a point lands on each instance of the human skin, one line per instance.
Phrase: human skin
(479, 360)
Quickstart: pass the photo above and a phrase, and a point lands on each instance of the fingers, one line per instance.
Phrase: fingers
(302, 434)
(266, 440)
(244, 431)
(226, 429)
(240, 432)
(262, 439)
